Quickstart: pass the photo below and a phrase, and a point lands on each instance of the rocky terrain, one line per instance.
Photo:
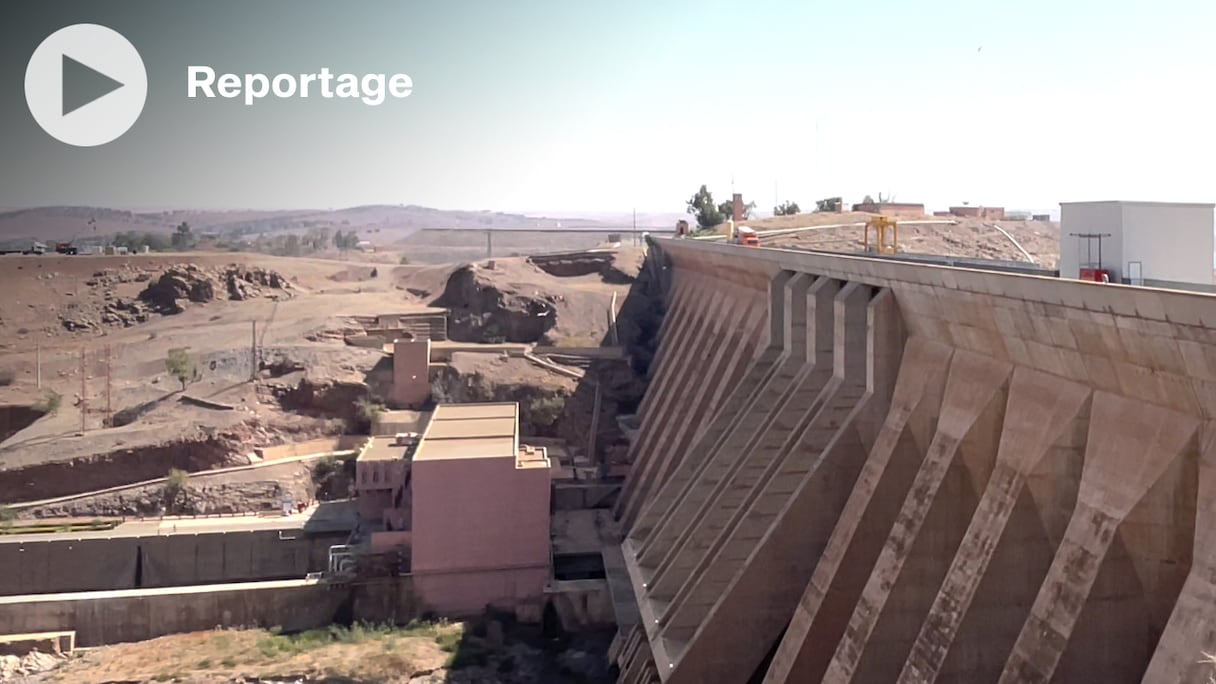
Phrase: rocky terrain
(25, 668)
(305, 381)
(167, 292)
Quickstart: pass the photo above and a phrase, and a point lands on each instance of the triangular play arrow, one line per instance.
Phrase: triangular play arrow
(83, 84)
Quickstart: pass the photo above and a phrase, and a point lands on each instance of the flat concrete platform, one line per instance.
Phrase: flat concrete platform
(328, 517)
(159, 591)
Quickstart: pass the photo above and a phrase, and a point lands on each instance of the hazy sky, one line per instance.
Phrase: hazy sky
(604, 106)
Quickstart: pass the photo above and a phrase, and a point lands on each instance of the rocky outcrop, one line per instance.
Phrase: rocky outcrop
(192, 283)
(482, 309)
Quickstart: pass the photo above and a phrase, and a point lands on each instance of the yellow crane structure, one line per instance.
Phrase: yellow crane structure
(886, 235)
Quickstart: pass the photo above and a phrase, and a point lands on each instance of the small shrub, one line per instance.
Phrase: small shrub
(268, 647)
(203, 664)
(544, 411)
(326, 469)
(228, 662)
(7, 377)
(404, 260)
(7, 516)
(182, 366)
(23, 331)
(420, 628)
(492, 334)
(50, 403)
(448, 641)
(375, 273)
(174, 490)
(368, 409)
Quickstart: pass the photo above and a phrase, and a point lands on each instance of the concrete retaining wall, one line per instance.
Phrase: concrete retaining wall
(110, 617)
(97, 563)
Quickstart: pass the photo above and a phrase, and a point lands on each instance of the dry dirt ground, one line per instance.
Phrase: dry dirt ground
(482, 651)
(221, 656)
(968, 238)
(309, 383)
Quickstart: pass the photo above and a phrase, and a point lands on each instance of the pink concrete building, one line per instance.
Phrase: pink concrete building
(382, 479)
(468, 504)
(480, 513)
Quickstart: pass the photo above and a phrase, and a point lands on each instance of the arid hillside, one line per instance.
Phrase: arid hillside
(270, 352)
(959, 237)
(75, 223)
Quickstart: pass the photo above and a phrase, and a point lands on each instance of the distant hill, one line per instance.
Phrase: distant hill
(664, 220)
(86, 223)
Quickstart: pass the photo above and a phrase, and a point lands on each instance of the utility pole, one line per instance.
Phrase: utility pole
(109, 419)
(253, 350)
(489, 243)
(84, 392)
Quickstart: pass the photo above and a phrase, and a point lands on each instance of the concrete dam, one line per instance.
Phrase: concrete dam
(863, 470)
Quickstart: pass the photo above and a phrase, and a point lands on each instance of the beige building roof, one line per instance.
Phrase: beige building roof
(471, 431)
(532, 457)
(382, 449)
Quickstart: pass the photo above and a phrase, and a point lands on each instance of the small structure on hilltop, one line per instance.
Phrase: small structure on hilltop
(467, 505)
(988, 213)
(1158, 244)
(891, 208)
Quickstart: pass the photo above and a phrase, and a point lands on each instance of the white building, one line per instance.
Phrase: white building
(1161, 244)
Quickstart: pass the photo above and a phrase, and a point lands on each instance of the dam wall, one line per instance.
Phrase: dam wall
(863, 470)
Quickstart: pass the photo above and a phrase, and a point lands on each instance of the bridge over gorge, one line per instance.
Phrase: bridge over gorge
(862, 470)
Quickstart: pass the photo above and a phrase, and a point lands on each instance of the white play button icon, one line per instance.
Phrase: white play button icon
(85, 85)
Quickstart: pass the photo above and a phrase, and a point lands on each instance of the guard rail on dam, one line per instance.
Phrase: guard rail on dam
(860, 470)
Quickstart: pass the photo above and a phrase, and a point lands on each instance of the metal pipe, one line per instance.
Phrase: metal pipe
(1018, 245)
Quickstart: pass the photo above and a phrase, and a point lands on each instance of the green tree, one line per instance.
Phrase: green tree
(50, 403)
(292, 245)
(182, 366)
(182, 239)
(786, 209)
(708, 214)
(727, 209)
(176, 483)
